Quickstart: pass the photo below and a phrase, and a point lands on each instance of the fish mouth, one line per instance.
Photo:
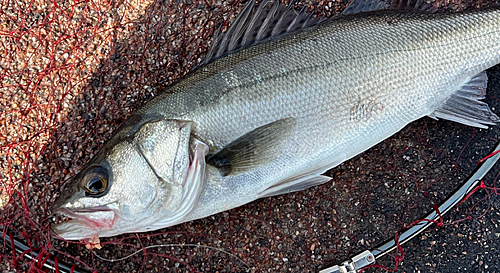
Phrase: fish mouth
(96, 218)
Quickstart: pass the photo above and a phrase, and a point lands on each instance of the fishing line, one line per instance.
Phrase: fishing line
(171, 245)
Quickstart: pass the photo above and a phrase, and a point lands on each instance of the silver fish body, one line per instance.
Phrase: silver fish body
(325, 93)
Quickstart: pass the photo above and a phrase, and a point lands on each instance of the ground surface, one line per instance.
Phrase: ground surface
(71, 73)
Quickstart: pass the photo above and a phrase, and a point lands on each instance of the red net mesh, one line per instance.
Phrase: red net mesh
(72, 71)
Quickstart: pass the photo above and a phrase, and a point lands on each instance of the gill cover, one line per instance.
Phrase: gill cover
(165, 145)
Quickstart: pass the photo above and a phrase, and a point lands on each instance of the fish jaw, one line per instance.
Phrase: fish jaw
(85, 223)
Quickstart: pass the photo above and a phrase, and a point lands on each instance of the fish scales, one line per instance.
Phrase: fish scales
(317, 97)
(343, 80)
(335, 68)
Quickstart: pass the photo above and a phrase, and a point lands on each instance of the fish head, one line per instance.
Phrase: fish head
(136, 178)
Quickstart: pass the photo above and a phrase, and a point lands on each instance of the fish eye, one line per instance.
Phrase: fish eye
(95, 182)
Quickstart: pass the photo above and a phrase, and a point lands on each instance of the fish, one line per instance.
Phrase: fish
(281, 98)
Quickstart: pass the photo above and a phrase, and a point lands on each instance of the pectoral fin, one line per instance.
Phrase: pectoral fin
(258, 147)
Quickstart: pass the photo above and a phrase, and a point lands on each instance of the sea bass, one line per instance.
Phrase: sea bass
(281, 98)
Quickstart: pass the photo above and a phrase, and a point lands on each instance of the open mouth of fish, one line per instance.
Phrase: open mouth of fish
(96, 218)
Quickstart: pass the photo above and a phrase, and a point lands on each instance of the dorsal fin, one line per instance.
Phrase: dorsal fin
(358, 6)
(257, 23)
(272, 19)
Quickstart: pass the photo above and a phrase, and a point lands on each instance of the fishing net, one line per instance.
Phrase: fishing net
(72, 71)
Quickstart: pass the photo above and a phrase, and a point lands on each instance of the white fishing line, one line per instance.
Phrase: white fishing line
(171, 245)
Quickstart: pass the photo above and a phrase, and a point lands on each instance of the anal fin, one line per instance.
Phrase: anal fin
(465, 107)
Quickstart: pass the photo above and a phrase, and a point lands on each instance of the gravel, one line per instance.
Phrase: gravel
(71, 72)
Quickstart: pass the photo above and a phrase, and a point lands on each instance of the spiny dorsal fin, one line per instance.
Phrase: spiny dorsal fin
(257, 23)
(272, 19)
